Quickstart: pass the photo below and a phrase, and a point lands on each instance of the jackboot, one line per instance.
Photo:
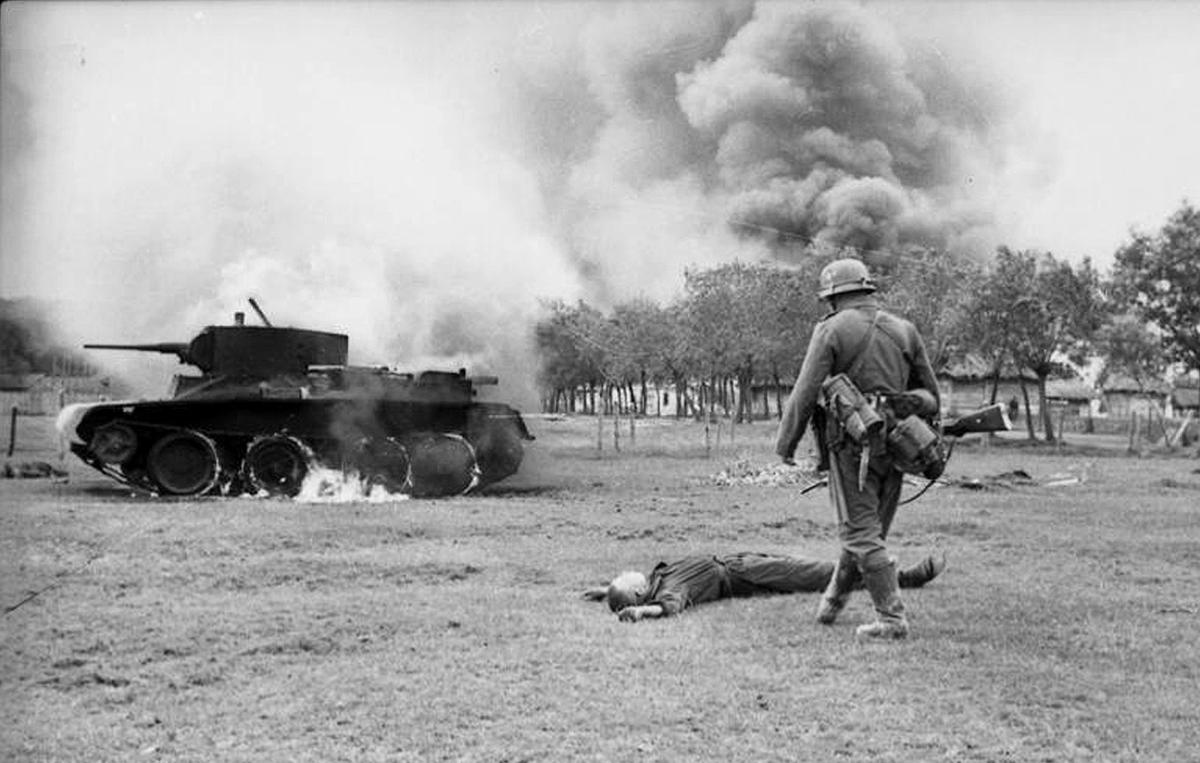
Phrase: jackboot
(890, 622)
(922, 572)
(844, 580)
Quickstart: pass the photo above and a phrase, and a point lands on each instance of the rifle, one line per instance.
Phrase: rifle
(992, 418)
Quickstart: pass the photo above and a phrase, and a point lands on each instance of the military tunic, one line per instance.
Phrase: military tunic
(893, 359)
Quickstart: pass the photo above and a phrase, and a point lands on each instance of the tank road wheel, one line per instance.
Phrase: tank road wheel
(498, 435)
(441, 464)
(500, 450)
(114, 443)
(184, 463)
(383, 462)
(277, 464)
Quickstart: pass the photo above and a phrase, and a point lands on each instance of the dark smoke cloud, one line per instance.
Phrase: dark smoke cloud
(829, 129)
(750, 131)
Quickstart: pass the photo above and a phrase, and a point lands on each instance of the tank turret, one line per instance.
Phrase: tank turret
(271, 403)
(241, 351)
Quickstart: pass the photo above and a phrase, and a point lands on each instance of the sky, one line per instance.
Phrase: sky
(420, 175)
(1111, 90)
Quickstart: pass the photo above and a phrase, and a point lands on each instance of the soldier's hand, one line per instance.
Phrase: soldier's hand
(631, 614)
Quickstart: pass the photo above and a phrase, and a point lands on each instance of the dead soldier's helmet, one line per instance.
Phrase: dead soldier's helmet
(843, 277)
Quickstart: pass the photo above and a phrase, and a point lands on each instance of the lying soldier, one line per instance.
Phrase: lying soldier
(675, 586)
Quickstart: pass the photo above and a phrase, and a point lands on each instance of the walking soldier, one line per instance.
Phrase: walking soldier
(862, 366)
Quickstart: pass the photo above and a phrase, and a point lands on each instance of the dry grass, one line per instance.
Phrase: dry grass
(452, 629)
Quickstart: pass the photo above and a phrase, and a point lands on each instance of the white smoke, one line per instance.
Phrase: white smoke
(324, 159)
(419, 175)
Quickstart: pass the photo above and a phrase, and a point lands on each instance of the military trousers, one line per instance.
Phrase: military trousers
(751, 573)
(864, 516)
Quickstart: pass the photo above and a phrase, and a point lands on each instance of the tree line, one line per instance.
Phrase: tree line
(738, 325)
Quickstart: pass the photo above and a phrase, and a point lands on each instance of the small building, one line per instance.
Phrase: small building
(1122, 396)
(966, 384)
(768, 397)
(1076, 394)
(1184, 399)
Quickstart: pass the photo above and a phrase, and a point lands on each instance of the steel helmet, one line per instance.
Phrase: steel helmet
(843, 277)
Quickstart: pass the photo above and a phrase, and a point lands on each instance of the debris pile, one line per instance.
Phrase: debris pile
(806, 476)
(743, 472)
(1018, 478)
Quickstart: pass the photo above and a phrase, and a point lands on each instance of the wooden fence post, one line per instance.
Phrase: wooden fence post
(12, 432)
(1178, 436)
(1162, 425)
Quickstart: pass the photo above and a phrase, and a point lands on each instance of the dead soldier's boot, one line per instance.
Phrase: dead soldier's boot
(845, 579)
(922, 572)
(890, 622)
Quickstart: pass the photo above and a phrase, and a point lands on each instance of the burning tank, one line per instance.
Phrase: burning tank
(271, 404)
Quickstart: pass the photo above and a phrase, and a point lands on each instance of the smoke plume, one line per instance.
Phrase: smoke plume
(749, 131)
(419, 175)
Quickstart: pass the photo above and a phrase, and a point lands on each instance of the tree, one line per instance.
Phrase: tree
(679, 357)
(572, 351)
(1132, 349)
(988, 324)
(936, 292)
(747, 322)
(787, 309)
(642, 340)
(714, 322)
(1054, 310)
(1158, 277)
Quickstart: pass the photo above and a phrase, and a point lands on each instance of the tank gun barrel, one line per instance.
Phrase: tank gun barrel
(178, 349)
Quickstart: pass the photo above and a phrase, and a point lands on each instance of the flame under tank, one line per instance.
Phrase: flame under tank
(270, 404)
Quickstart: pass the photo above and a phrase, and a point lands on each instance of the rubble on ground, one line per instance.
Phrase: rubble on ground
(1018, 478)
(805, 475)
(744, 472)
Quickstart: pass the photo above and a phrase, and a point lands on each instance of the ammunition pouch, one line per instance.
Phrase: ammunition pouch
(917, 447)
(852, 416)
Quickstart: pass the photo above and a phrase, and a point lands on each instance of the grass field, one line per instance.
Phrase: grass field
(255, 629)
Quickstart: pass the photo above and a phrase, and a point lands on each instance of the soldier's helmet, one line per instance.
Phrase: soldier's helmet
(843, 277)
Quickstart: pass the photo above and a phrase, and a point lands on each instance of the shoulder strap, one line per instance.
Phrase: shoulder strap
(899, 344)
(860, 354)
